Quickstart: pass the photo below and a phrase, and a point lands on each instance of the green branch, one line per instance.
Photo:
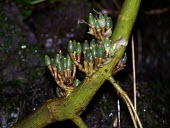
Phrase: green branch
(71, 106)
(126, 19)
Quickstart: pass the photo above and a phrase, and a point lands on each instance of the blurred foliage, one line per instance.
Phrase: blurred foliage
(27, 6)
(28, 32)
(22, 85)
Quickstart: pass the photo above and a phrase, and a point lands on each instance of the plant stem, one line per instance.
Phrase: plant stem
(126, 19)
(70, 107)
(134, 73)
(79, 122)
(131, 112)
(39, 119)
(127, 101)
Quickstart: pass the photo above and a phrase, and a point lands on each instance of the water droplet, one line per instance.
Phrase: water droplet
(23, 46)
(111, 114)
(14, 115)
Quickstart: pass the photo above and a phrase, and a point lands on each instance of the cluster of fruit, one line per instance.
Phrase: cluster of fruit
(87, 56)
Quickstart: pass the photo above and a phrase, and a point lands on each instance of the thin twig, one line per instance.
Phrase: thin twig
(127, 100)
(157, 11)
(130, 111)
(118, 110)
(135, 113)
(134, 72)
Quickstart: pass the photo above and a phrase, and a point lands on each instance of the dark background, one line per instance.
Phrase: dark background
(28, 32)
